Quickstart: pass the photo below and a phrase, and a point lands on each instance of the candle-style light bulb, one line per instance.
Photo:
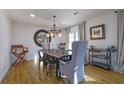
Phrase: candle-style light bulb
(60, 35)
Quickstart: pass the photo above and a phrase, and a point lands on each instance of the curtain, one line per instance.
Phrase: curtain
(120, 42)
(82, 31)
(67, 30)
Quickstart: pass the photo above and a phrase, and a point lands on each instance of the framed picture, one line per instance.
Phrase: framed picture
(97, 32)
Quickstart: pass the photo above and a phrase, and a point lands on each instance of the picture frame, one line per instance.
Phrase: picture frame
(97, 32)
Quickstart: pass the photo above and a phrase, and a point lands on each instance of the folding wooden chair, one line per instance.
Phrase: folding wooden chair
(19, 51)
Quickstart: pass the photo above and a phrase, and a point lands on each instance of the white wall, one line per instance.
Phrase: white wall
(110, 21)
(23, 33)
(4, 44)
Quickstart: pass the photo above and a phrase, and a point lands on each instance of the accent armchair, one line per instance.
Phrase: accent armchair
(19, 51)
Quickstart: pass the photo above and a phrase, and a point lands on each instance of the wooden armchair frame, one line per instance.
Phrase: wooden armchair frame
(19, 55)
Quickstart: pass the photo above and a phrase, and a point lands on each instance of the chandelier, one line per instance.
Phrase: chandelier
(55, 32)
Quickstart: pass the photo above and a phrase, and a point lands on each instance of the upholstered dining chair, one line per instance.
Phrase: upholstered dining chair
(74, 70)
(46, 46)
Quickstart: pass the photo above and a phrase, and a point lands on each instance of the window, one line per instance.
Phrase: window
(71, 39)
(73, 36)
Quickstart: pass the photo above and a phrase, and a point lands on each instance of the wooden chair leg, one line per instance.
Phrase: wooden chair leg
(39, 67)
(44, 66)
(48, 67)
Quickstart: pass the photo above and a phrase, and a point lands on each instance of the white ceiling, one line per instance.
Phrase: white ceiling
(44, 16)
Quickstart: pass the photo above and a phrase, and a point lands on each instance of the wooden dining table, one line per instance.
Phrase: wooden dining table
(58, 54)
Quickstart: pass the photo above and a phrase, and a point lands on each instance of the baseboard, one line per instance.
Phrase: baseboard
(5, 73)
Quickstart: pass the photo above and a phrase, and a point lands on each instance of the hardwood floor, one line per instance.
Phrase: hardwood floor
(27, 73)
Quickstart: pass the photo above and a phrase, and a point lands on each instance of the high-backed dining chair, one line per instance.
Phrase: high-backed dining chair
(51, 61)
(74, 70)
(62, 46)
(46, 46)
(42, 57)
